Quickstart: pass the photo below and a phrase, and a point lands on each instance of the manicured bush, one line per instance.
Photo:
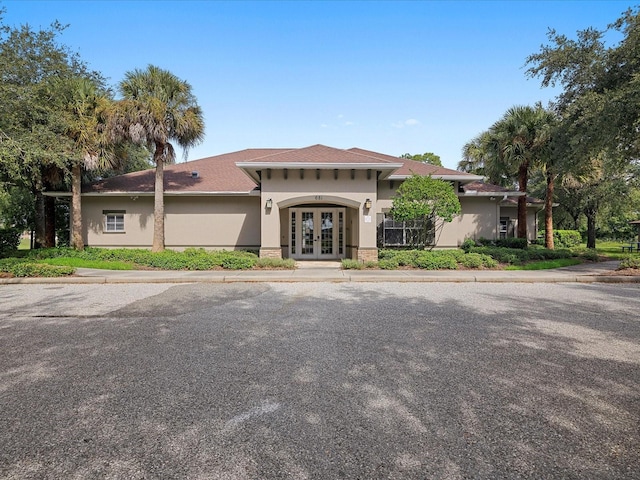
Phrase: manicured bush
(285, 263)
(349, 264)
(566, 238)
(388, 264)
(512, 242)
(468, 244)
(25, 268)
(629, 262)
(9, 240)
(472, 260)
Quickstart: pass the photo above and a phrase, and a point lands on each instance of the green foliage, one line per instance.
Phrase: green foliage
(512, 242)
(629, 262)
(276, 263)
(23, 268)
(190, 259)
(349, 264)
(468, 244)
(427, 157)
(388, 264)
(9, 240)
(566, 238)
(546, 264)
(519, 256)
(425, 197)
(509, 242)
(82, 263)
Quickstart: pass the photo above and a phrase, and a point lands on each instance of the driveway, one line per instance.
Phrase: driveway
(320, 381)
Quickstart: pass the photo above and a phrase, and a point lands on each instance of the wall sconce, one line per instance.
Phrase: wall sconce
(367, 203)
(269, 204)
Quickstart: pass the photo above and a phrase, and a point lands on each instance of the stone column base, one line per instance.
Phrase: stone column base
(366, 254)
(266, 252)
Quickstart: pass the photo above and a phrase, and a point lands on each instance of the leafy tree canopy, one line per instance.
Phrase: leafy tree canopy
(425, 197)
(427, 157)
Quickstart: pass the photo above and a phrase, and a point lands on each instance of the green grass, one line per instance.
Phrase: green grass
(613, 250)
(546, 264)
(25, 244)
(82, 263)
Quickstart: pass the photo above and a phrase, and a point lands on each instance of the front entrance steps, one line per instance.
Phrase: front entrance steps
(319, 264)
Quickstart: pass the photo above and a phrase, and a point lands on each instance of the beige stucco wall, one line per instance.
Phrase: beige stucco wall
(293, 191)
(213, 222)
(479, 218)
(512, 212)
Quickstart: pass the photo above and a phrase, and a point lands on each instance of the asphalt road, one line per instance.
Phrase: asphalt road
(320, 381)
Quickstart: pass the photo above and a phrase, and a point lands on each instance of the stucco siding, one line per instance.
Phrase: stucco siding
(209, 221)
(478, 218)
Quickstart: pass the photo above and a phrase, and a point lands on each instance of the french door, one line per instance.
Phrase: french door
(316, 233)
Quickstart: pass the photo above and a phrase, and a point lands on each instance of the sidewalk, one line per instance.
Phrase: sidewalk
(331, 272)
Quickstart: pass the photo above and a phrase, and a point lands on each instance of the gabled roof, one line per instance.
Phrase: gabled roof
(237, 172)
(410, 167)
(218, 174)
(320, 157)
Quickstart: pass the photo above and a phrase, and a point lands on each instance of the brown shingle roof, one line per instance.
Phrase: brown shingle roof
(322, 154)
(220, 174)
(215, 174)
(410, 167)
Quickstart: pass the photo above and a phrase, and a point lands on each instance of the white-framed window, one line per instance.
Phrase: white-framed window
(416, 233)
(114, 221)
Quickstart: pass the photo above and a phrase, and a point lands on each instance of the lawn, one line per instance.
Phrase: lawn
(613, 250)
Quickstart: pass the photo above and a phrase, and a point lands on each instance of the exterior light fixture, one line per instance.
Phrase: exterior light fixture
(367, 203)
(269, 203)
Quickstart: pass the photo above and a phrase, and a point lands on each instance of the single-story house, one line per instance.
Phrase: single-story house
(316, 202)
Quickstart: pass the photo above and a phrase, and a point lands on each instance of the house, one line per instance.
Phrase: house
(316, 202)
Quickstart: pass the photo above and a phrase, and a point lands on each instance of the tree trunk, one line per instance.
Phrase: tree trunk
(38, 219)
(548, 211)
(591, 226)
(158, 206)
(523, 177)
(77, 241)
(49, 222)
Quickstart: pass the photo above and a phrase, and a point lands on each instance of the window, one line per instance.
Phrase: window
(415, 233)
(114, 221)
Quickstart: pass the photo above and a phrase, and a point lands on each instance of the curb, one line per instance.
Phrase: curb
(347, 278)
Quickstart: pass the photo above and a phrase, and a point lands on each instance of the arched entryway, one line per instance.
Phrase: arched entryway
(317, 232)
(317, 227)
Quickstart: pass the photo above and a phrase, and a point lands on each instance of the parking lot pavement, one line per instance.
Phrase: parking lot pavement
(320, 380)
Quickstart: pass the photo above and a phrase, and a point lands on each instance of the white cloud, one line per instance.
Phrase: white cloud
(412, 122)
(347, 124)
(324, 125)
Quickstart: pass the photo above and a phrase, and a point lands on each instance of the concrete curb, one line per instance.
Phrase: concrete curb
(323, 276)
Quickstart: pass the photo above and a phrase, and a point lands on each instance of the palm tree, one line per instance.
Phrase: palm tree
(86, 110)
(158, 108)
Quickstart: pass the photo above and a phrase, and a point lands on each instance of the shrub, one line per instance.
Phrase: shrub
(566, 238)
(9, 240)
(388, 264)
(512, 242)
(286, 263)
(371, 264)
(435, 261)
(25, 268)
(472, 260)
(629, 262)
(468, 244)
(349, 264)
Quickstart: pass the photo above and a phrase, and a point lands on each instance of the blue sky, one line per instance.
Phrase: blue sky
(392, 77)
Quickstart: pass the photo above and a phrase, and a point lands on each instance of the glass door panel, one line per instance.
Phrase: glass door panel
(326, 235)
(308, 232)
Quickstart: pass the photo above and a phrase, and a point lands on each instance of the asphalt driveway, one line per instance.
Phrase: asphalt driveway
(321, 380)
